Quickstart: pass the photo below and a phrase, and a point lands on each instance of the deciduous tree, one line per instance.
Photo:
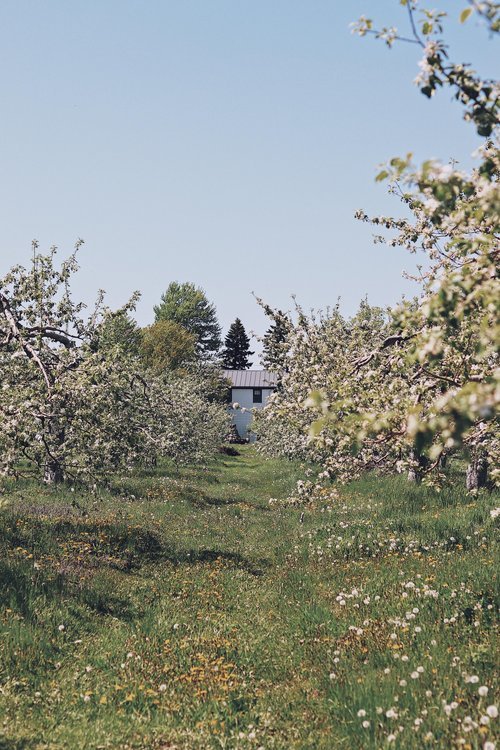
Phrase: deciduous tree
(73, 409)
(167, 345)
(187, 305)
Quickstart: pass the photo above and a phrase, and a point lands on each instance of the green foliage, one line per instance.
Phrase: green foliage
(274, 342)
(479, 97)
(120, 329)
(215, 387)
(188, 306)
(236, 353)
(167, 345)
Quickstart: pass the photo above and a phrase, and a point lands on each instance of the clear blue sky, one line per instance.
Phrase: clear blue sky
(224, 142)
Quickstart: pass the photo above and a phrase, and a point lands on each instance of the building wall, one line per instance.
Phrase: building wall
(244, 397)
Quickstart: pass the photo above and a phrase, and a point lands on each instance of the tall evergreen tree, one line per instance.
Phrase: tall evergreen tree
(236, 353)
(188, 305)
(120, 329)
(275, 342)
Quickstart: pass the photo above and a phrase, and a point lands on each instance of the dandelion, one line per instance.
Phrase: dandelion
(162, 687)
(492, 712)
(483, 691)
(333, 676)
(489, 746)
(391, 738)
(61, 628)
(361, 713)
(415, 675)
(365, 724)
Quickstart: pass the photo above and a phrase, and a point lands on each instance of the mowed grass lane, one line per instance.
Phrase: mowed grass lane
(182, 610)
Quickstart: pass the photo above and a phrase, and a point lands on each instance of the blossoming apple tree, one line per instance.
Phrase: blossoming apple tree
(407, 392)
(72, 408)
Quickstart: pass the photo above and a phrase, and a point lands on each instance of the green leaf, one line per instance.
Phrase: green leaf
(383, 175)
(464, 15)
(316, 428)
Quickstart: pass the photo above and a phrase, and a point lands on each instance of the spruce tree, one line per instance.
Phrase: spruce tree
(236, 353)
(274, 342)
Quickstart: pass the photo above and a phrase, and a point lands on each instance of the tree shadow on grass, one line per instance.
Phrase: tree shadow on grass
(21, 744)
(22, 592)
(202, 500)
(84, 558)
(229, 559)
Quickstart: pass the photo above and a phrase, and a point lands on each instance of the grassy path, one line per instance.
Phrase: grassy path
(183, 611)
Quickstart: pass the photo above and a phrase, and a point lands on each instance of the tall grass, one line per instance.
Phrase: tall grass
(182, 610)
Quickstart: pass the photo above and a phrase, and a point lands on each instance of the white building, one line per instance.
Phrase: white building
(250, 389)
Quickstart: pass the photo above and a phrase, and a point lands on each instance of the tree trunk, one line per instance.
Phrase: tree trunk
(477, 473)
(414, 472)
(53, 472)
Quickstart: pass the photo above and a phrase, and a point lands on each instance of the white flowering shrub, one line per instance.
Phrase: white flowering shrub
(189, 428)
(405, 392)
(453, 334)
(74, 408)
(338, 371)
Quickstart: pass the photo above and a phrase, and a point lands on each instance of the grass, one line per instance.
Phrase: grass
(182, 610)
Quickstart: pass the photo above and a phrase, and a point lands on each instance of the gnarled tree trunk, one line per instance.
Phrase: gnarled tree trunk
(477, 473)
(53, 472)
(418, 463)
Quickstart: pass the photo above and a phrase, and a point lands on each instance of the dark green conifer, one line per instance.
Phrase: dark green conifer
(236, 353)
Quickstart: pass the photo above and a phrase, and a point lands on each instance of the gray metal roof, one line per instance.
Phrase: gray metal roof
(251, 378)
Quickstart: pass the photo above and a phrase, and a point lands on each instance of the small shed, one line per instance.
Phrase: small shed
(251, 390)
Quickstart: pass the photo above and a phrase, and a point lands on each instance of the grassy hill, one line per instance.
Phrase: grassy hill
(182, 610)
